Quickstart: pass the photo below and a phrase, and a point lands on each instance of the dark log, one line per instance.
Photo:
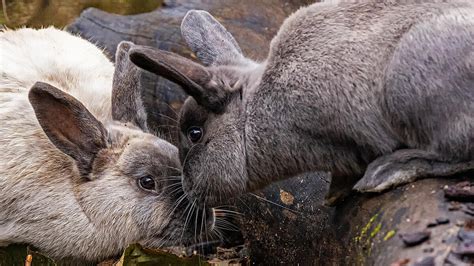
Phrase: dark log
(363, 230)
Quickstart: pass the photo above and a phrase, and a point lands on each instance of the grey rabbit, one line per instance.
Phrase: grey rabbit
(378, 93)
(80, 176)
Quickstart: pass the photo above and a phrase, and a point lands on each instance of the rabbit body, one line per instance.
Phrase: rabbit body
(344, 86)
(65, 61)
(378, 93)
(68, 171)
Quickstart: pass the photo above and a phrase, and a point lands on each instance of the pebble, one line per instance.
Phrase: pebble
(428, 250)
(463, 191)
(431, 224)
(426, 261)
(438, 221)
(401, 262)
(465, 249)
(442, 220)
(454, 206)
(460, 223)
(413, 239)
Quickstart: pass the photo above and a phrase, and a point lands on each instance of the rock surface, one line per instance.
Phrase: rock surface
(363, 230)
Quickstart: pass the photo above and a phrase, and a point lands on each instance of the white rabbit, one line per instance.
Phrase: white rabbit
(79, 175)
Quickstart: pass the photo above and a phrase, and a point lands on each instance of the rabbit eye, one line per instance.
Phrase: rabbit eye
(146, 182)
(195, 134)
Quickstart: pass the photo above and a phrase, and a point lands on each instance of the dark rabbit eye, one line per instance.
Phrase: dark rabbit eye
(195, 134)
(146, 182)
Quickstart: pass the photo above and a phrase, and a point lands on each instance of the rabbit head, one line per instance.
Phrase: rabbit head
(128, 182)
(212, 120)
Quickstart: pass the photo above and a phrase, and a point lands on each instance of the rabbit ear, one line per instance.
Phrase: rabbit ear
(127, 104)
(192, 77)
(208, 39)
(68, 124)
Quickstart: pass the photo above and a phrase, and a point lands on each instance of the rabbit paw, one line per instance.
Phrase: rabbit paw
(380, 177)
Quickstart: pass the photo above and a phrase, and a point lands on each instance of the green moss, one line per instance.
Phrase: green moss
(389, 235)
(364, 240)
(375, 231)
(365, 229)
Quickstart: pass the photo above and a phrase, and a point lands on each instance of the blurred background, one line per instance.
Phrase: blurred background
(39, 13)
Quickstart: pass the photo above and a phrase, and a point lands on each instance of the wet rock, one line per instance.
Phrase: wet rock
(442, 220)
(465, 249)
(454, 206)
(468, 208)
(401, 262)
(438, 221)
(428, 250)
(466, 235)
(469, 212)
(455, 260)
(416, 238)
(426, 261)
(463, 253)
(463, 191)
(432, 224)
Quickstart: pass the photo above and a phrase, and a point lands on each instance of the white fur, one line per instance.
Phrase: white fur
(42, 201)
(68, 62)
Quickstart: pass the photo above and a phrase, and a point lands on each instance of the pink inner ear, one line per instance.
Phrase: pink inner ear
(62, 122)
(68, 124)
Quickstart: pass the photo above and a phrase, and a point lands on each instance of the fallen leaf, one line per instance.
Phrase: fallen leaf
(286, 197)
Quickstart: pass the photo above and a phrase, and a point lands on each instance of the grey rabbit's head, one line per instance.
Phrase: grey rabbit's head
(212, 119)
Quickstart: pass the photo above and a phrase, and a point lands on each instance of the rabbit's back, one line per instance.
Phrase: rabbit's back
(428, 93)
(66, 61)
(328, 62)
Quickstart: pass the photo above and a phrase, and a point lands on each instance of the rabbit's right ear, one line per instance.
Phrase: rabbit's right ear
(68, 124)
(127, 103)
(195, 79)
(209, 40)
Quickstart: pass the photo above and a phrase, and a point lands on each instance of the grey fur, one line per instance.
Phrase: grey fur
(127, 104)
(386, 86)
(203, 42)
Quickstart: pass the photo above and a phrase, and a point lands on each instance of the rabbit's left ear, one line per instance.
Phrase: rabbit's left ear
(68, 124)
(209, 40)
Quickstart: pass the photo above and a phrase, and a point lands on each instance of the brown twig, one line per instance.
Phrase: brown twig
(29, 258)
(4, 8)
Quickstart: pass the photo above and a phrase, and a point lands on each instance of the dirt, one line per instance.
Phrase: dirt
(463, 191)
